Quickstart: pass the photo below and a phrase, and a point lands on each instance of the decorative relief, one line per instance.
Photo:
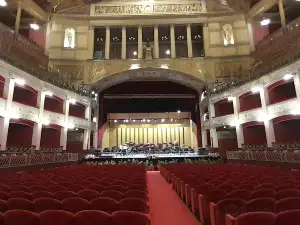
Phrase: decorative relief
(25, 112)
(230, 69)
(228, 35)
(2, 107)
(251, 115)
(54, 118)
(72, 73)
(83, 123)
(69, 41)
(150, 9)
(283, 108)
(222, 120)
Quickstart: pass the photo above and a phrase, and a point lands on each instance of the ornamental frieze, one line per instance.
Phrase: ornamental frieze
(150, 9)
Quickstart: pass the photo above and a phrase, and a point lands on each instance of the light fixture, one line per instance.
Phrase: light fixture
(133, 121)
(171, 120)
(93, 92)
(134, 66)
(162, 120)
(143, 120)
(95, 119)
(288, 76)
(72, 101)
(20, 82)
(164, 66)
(265, 22)
(178, 111)
(168, 52)
(148, 121)
(134, 53)
(34, 26)
(3, 3)
(234, 123)
(76, 128)
(115, 121)
(46, 122)
(255, 89)
(48, 93)
(230, 99)
(70, 126)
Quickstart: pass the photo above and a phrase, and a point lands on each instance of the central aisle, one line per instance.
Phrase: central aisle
(165, 206)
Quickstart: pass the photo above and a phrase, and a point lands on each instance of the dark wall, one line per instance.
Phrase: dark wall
(223, 108)
(75, 146)
(255, 135)
(250, 101)
(282, 92)
(25, 96)
(19, 135)
(50, 138)
(77, 110)
(53, 105)
(287, 131)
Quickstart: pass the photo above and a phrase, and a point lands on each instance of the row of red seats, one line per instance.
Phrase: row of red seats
(75, 204)
(90, 217)
(85, 193)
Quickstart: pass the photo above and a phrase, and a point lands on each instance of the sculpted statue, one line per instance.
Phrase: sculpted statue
(228, 35)
(69, 41)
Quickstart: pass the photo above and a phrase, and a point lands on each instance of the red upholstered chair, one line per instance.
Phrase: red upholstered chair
(291, 217)
(266, 185)
(20, 194)
(61, 195)
(112, 194)
(249, 187)
(240, 193)
(288, 193)
(75, 187)
(201, 189)
(44, 203)
(136, 194)
(128, 217)
(226, 187)
(4, 188)
(39, 194)
(75, 204)
(88, 194)
(285, 186)
(287, 204)
(37, 188)
(136, 187)
(120, 182)
(55, 188)
(108, 205)
(103, 183)
(216, 182)
(117, 188)
(19, 188)
(20, 217)
(3, 206)
(92, 180)
(264, 192)
(4, 195)
(58, 217)
(64, 183)
(19, 203)
(97, 187)
(261, 205)
(31, 183)
(93, 217)
(134, 204)
(252, 218)
(232, 206)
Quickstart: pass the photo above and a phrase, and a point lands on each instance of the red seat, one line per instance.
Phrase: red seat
(88, 194)
(112, 194)
(93, 217)
(4, 188)
(19, 188)
(135, 194)
(4, 195)
(58, 217)
(285, 186)
(75, 187)
(128, 217)
(240, 193)
(75, 204)
(256, 218)
(264, 192)
(249, 187)
(108, 205)
(39, 194)
(288, 193)
(261, 205)
(20, 217)
(291, 217)
(64, 183)
(201, 189)
(120, 182)
(19, 203)
(20, 194)
(103, 183)
(134, 204)
(117, 188)
(231, 206)
(92, 180)
(61, 195)
(266, 185)
(226, 187)
(37, 188)
(287, 204)
(55, 188)
(137, 187)
(97, 187)
(3, 206)
(44, 203)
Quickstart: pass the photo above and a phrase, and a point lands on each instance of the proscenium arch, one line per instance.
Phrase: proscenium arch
(150, 74)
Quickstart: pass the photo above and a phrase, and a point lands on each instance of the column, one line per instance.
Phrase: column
(64, 130)
(156, 42)
(189, 41)
(107, 43)
(95, 134)
(86, 139)
(269, 129)
(4, 122)
(251, 37)
(206, 39)
(140, 42)
(203, 131)
(211, 110)
(18, 17)
(214, 138)
(238, 126)
(123, 56)
(37, 129)
(282, 13)
(172, 35)
(297, 88)
(91, 43)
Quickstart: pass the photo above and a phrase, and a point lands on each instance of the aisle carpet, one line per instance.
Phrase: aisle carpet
(166, 208)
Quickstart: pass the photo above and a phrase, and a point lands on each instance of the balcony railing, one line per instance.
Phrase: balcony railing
(15, 48)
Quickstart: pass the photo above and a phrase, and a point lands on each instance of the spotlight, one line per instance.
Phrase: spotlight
(148, 121)
(171, 120)
(265, 22)
(95, 119)
(93, 92)
(178, 111)
(162, 120)
(3, 3)
(115, 121)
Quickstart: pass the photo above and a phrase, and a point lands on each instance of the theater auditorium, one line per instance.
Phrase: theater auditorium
(150, 112)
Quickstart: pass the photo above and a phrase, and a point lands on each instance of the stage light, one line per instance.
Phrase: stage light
(178, 111)
(255, 89)
(288, 76)
(34, 26)
(3, 3)
(20, 82)
(265, 22)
